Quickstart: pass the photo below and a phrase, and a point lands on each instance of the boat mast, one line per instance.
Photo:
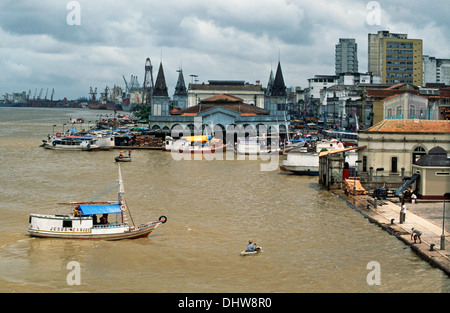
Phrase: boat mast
(121, 199)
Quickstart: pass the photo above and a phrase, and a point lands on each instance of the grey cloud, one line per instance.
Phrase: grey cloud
(215, 39)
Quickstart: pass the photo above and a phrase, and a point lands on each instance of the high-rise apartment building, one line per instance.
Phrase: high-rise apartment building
(346, 59)
(436, 70)
(395, 58)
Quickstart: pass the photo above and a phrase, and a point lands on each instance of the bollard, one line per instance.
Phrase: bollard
(432, 247)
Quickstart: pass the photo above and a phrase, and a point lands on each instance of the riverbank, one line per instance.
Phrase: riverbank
(423, 216)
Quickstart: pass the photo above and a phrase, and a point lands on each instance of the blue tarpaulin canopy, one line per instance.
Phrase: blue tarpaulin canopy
(89, 209)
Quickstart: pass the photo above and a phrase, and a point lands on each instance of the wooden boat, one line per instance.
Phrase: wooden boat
(248, 253)
(82, 223)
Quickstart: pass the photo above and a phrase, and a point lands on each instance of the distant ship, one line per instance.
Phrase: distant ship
(113, 106)
(97, 106)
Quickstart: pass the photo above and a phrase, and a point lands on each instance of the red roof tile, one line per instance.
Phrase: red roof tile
(229, 102)
(396, 86)
(223, 97)
(411, 126)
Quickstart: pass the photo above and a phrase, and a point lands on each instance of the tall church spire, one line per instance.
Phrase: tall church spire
(180, 89)
(160, 85)
(270, 84)
(278, 88)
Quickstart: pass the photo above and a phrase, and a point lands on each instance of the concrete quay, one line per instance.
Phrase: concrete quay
(423, 216)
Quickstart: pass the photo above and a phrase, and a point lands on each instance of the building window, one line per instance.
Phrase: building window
(417, 153)
(394, 165)
(156, 109)
(364, 164)
(412, 111)
(389, 113)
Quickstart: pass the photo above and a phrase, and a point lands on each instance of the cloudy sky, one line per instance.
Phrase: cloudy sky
(73, 45)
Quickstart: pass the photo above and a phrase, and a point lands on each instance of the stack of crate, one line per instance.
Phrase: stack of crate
(148, 141)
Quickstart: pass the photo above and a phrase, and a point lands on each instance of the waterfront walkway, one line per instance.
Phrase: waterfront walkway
(423, 216)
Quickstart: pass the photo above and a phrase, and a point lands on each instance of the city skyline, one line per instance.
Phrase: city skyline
(74, 45)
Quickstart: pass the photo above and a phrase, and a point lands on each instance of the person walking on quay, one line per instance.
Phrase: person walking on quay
(403, 213)
(416, 234)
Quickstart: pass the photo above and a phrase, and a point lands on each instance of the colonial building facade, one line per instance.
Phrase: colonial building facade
(252, 94)
(220, 106)
(393, 147)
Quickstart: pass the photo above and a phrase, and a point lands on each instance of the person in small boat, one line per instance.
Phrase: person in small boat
(251, 247)
(76, 212)
(121, 154)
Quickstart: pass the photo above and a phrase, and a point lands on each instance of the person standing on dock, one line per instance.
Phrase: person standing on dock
(403, 213)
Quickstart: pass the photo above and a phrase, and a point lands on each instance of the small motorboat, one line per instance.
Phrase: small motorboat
(121, 158)
(254, 252)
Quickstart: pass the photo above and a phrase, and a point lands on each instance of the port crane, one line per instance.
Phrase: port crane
(93, 94)
(148, 87)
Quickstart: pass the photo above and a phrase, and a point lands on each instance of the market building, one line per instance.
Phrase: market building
(220, 106)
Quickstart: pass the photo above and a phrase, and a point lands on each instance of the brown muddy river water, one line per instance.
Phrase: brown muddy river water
(312, 241)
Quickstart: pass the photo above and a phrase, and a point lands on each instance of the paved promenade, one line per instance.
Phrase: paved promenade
(423, 216)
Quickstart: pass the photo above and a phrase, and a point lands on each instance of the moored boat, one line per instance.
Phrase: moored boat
(195, 144)
(83, 143)
(257, 146)
(304, 160)
(83, 222)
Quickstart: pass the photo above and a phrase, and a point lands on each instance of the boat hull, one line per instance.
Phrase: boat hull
(122, 159)
(300, 170)
(205, 150)
(76, 143)
(140, 232)
(70, 148)
(97, 106)
(256, 252)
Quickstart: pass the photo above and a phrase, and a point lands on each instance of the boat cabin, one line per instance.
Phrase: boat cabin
(73, 142)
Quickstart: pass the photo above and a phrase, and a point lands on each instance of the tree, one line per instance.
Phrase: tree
(142, 111)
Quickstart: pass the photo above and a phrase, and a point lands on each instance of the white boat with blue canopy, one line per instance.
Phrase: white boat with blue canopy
(92, 220)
